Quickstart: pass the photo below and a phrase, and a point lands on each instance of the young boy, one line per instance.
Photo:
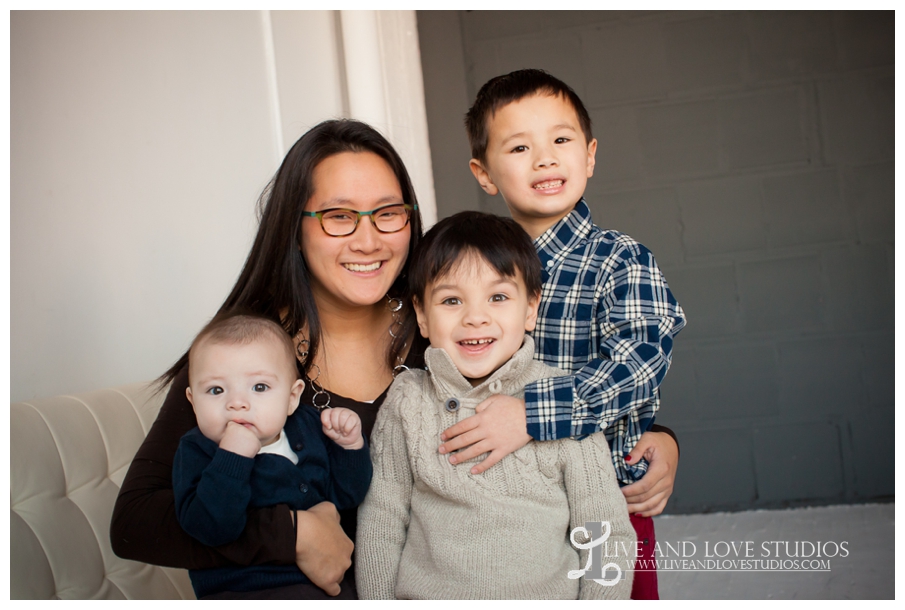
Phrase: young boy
(255, 446)
(606, 315)
(429, 530)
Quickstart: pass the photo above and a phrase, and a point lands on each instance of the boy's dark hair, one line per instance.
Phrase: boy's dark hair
(242, 328)
(508, 88)
(499, 241)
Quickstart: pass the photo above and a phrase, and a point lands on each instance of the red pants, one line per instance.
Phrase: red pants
(644, 586)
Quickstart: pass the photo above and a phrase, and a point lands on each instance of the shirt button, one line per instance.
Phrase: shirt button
(298, 447)
(452, 404)
(303, 488)
(550, 263)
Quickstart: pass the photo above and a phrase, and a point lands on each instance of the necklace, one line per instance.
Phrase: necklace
(321, 398)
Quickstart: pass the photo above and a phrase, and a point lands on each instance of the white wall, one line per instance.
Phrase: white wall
(139, 143)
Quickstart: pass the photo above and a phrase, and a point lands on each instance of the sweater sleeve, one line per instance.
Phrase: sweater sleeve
(383, 518)
(144, 525)
(350, 474)
(594, 495)
(212, 490)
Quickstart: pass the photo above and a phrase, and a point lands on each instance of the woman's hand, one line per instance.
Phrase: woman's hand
(648, 496)
(323, 552)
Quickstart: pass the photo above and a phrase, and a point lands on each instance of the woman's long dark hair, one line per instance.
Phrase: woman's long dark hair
(275, 280)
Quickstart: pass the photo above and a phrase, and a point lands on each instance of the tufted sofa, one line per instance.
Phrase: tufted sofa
(68, 457)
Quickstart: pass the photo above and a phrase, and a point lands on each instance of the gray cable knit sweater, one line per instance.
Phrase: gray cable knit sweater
(432, 530)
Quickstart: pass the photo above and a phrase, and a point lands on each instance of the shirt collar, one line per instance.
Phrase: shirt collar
(281, 447)
(562, 237)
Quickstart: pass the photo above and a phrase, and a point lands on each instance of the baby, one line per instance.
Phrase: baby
(430, 530)
(256, 446)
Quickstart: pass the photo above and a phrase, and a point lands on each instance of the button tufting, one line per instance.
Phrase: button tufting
(452, 404)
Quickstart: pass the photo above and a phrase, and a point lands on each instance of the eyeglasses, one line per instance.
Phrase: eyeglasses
(340, 222)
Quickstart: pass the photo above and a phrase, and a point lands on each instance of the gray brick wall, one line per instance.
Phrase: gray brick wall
(753, 152)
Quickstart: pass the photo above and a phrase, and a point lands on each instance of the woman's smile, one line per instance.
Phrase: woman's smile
(363, 268)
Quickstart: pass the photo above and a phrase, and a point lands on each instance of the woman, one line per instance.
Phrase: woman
(343, 298)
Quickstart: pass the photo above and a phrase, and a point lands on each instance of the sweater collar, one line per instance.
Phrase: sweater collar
(509, 379)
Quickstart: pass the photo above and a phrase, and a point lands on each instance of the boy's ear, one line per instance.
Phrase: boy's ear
(592, 156)
(294, 394)
(188, 394)
(483, 178)
(419, 314)
(533, 304)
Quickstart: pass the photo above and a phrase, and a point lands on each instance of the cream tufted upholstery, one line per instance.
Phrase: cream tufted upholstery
(68, 457)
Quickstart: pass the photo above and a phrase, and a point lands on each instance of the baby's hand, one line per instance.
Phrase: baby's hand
(343, 426)
(241, 440)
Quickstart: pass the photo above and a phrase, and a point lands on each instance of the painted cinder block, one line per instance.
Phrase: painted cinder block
(680, 139)
(797, 462)
(867, 39)
(873, 445)
(722, 216)
(446, 101)
(558, 55)
(858, 295)
(650, 216)
(737, 381)
(709, 296)
(705, 52)
(820, 376)
(781, 294)
(624, 61)
(858, 118)
(765, 128)
(879, 373)
(791, 44)
(678, 392)
(493, 205)
(871, 193)
(481, 64)
(805, 208)
(832, 218)
(619, 158)
(482, 25)
(716, 471)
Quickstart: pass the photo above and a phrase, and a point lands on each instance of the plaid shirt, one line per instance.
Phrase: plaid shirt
(608, 317)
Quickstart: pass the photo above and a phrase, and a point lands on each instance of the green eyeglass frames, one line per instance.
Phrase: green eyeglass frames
(340, 222)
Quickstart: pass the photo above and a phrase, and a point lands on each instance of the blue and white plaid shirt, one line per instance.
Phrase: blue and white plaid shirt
(608, 317)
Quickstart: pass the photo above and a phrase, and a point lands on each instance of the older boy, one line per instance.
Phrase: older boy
(606, 314)
(429, 530)
(256, 446)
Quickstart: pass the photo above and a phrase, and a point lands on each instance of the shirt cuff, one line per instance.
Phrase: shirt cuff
(350, 460)
(548, 408)
(232, 465)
